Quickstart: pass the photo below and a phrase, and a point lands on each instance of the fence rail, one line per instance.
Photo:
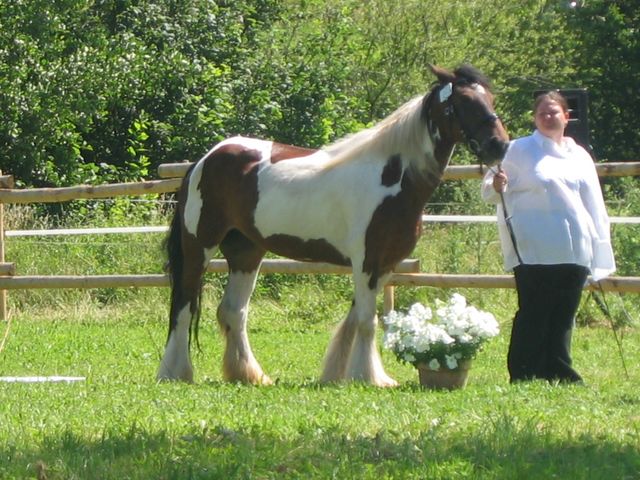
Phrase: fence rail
(407, 274)
(169, 185)
(164, 228)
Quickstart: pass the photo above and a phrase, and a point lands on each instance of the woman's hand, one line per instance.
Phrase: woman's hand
(500, 181)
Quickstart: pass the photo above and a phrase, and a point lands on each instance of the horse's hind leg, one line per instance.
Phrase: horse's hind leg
(187, 262)
(337, 356)
(244, 258)
(187, 270)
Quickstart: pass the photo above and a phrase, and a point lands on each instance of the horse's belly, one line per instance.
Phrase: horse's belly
(314, 250)
(296, 230)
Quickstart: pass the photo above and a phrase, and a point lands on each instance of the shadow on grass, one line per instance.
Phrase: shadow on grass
(506, 449)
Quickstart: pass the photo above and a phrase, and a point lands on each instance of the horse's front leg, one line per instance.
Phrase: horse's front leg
(353, 353)
(365, 363)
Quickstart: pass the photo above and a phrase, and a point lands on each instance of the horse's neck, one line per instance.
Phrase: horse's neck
(428, 176)
(442, 153)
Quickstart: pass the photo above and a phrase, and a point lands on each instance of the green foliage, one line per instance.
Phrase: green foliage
(93, 91)
(608, 33)
(105, 91)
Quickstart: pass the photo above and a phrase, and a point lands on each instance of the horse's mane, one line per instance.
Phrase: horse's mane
(401, 131)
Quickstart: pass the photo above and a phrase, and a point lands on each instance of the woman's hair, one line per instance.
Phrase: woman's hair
(554, 96)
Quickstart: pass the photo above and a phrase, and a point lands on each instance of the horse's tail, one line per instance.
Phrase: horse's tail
(175, 268)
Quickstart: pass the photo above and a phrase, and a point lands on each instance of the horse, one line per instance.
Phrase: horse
(357, 202)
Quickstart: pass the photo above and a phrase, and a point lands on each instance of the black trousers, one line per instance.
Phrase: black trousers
(548, 299)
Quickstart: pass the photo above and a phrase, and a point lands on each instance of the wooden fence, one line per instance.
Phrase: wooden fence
(407, 274)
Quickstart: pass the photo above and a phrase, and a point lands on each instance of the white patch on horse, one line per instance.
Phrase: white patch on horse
(302, 199)
(176, 364)
(193, 205)
(479, 88)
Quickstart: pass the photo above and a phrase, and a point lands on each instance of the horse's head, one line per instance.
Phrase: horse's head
(461, 109)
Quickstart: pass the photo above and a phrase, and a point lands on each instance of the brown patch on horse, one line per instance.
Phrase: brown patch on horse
(392, 172)
(231, 178)
(280, 151)
(315, 250)
(229, 203)
(394, 229)
(242, 254)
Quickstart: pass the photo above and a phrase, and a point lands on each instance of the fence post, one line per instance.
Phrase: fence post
(388, 300)
(3, 293)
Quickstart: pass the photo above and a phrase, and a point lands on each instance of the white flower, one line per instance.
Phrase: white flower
(451, 361)
(465, 338)
(408, 357)
(454, 332)
(420, 312)
(391, 339)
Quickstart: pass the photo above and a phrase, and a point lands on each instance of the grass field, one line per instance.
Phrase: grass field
(120, 424)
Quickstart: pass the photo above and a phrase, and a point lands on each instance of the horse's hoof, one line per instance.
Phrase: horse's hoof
(186, 377)
(386, 382)
(168, 379)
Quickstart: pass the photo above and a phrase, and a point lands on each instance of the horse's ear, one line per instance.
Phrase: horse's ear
(444, 76)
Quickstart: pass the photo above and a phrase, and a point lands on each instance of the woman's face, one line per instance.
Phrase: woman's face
(550, 119)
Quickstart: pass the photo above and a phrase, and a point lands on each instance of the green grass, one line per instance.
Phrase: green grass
(120, 424)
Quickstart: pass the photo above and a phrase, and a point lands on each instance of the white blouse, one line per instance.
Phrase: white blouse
(555, 204)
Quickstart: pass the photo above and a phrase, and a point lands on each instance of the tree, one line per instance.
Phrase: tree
(609, 39)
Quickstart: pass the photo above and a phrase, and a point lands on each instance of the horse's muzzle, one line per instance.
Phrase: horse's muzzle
(492, 150)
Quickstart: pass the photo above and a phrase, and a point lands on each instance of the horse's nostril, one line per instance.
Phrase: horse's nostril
(498, 147)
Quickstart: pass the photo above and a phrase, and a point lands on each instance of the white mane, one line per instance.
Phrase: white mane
(404, 131)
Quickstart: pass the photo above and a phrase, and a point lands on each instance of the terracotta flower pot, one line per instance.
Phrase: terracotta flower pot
(444, 378)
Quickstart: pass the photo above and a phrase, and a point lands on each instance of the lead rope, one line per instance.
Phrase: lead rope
(507, 221)
(601, 301)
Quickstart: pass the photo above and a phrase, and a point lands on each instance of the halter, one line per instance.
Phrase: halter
(445, 94)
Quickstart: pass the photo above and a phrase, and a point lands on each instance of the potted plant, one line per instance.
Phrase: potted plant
(440, 343)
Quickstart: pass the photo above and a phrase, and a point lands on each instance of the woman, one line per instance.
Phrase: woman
(555, 234)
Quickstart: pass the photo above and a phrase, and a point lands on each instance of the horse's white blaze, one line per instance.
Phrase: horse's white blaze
(299, 198)
(176, 364)
(479, 88)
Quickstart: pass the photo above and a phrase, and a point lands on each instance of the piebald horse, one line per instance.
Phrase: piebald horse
(357, 202)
